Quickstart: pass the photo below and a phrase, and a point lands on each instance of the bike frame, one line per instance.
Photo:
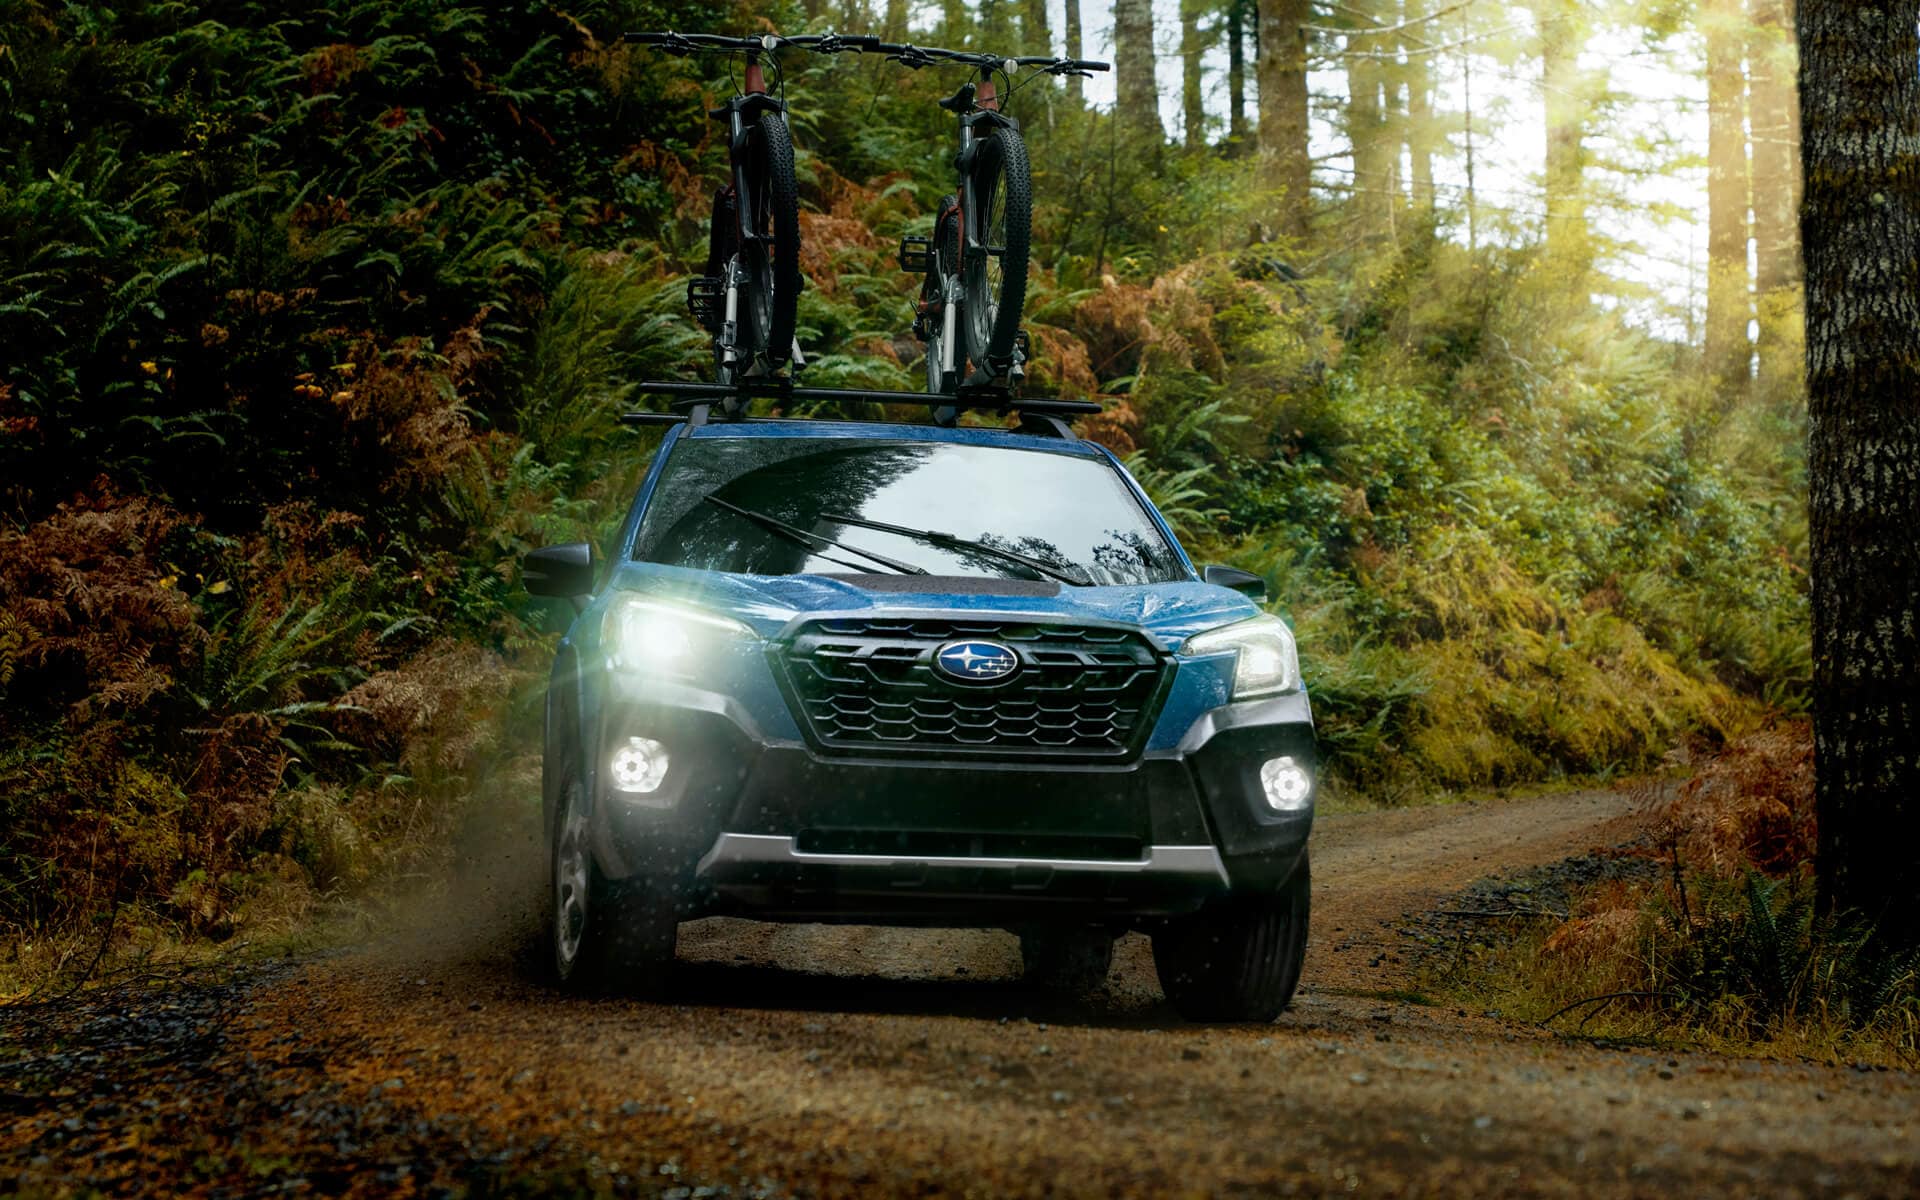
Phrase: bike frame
(739, 113)
(977, 105)
(983, 109)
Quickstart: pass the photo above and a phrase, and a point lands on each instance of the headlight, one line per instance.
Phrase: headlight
(647, 635)
(1268, 663)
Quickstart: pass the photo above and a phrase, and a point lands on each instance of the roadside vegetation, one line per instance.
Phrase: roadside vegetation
(1721, 945)
(311, 324)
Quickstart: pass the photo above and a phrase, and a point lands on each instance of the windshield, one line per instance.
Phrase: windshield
(1074, 514)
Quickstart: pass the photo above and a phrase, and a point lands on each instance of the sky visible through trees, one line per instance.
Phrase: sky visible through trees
(1649, 182)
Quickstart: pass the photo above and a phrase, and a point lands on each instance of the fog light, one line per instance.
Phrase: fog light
(639, 766)
(1286, 782)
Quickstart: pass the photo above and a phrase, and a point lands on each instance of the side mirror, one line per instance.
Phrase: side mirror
(565, 572)
(1245, 582)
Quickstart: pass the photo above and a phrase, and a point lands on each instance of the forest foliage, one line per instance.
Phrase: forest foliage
(312, 321)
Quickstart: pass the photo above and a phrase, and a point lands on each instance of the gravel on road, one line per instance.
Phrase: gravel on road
(812, 1061)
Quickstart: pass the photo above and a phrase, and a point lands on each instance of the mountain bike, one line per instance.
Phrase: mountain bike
(747, 294)
(975, 262)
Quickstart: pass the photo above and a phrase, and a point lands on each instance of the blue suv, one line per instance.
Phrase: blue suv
(900, 674)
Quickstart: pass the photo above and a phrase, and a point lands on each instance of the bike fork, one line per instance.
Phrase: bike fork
(730, 330)
(949, 328)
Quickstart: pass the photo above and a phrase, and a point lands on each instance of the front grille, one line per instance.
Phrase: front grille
(866, 685)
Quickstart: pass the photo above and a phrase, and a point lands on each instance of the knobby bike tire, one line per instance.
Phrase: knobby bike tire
(1003, 194)
(772, 291)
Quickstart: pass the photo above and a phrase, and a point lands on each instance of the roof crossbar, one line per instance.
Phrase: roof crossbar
(967, 398)
(695, 403)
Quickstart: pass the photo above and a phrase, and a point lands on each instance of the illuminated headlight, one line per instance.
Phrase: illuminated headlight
(639, 766)
(1286, 784)
(647, 635)
(1267, 665)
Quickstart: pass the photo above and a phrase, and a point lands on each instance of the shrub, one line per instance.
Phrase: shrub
(1730, 946)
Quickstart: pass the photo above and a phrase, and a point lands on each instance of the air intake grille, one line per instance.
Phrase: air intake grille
(866, 685)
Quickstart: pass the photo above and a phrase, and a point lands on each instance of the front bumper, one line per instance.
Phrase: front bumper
(766, 872)
(761, 825)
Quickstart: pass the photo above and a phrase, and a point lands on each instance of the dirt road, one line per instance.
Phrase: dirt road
(856, 1062)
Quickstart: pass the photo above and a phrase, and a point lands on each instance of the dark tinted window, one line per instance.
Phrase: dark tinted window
(1073, 512)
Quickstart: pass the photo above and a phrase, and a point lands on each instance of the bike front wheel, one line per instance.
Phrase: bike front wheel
(769, 246)
(999, 229)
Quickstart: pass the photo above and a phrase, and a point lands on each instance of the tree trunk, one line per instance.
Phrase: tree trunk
(1367, 92)
(896, 27)
(1776, 175)
(954, 23)
(1393, 106)
(1285, 168)
(1137, 98)
(1036, 36)
(996, 27)
(1076, 89)
(1729, 353)
(1193, 122)
(1237, 76)
(1419, 72)
(1860, 226)
(1569, 241)
(1466, 128)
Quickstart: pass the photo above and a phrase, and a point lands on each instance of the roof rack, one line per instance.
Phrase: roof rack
(694, 404)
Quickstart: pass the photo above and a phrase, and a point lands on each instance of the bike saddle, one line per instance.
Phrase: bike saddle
(960, 101)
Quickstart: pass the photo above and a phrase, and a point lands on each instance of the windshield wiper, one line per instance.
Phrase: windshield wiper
(813, 541)
(934, 537)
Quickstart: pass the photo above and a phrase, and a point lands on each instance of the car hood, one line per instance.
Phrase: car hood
(1167, 612)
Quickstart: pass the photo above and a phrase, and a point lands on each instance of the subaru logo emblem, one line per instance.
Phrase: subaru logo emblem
(976, 662)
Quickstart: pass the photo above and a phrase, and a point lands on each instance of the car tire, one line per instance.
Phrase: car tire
(1238, 962)
(1072, 960)
(604, 934)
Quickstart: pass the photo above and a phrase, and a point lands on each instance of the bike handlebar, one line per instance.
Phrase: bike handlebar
(834, 43)
(1062, 66)
(689, 43)
(904, 53)
(915, 57)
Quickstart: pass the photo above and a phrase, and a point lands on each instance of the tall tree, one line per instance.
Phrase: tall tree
(1728, 351)
(1285, 167)
(996, 27)
(1368, 103)
(1776, 176)
(895, 29)
(1193, 45)
(1137, 93)
(856, 16)
(954, 22)
(1564, 94)
(1860, 226)
(1071, 29)
(1419, 80)
(1036, 36)
(1237, 74)
(1466, 141)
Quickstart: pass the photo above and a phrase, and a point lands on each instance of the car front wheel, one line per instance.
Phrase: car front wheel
(1070, 960)
(1240, 961)
(604, 933)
